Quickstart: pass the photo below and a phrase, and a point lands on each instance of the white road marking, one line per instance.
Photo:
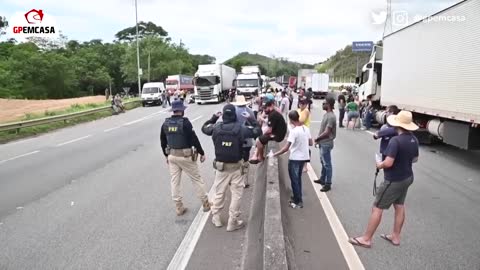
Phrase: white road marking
(185, 250)
(196, 118)
(349, 252)
(72, 203)
(144, 118)
(24, 155)
(110, 129)
(19, 207)
(75, 140)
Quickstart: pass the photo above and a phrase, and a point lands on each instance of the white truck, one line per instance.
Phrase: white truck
(432, 69)
(320, 83)
(151, 93)
(212, 82)
(302, 79)
(249, 81)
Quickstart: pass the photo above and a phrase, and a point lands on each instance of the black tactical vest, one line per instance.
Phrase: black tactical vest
(173, 128)
(228, 141)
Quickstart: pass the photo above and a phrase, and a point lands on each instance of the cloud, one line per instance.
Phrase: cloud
(305, 30)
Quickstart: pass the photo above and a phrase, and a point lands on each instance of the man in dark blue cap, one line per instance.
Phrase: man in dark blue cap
(180, 145)
(228, 138)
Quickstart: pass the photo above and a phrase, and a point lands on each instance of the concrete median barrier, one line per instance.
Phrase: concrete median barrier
(265, 242)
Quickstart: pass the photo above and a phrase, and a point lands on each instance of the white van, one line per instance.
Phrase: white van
(152, 92)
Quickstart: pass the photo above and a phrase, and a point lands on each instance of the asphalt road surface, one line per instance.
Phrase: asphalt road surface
(97, 196)
(443, 204)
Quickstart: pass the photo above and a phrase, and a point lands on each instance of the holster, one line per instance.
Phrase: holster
(217, 165)
(194, 154)
(167, 150)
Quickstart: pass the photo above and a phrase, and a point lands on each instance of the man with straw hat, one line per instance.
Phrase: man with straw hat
(244, 113)
(401, 153)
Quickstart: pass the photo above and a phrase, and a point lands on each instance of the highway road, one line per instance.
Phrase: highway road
(97, 196)
(443, 204)
(94, 196)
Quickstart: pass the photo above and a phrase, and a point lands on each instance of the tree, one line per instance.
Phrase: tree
(144, 30)
(3, 25)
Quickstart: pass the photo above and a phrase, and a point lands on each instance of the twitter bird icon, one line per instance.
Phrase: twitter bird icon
(379, 17)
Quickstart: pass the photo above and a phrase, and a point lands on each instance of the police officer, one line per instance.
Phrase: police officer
(180, 145)
(228, 138)
(243, 113)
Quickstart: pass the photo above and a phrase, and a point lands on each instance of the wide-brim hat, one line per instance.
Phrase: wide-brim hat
(403, 119)
(240, 101)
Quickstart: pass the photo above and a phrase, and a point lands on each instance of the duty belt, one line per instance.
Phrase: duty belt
(186, 152)
(232, 166)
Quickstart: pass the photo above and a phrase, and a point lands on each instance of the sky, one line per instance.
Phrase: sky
(306, 31)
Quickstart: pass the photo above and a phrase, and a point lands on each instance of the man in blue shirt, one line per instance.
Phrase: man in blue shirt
(386, 132)
(401, 153)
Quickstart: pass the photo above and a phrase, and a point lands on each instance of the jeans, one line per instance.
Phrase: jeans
(341, 115)
(368, 119)
(326, 160)
(295, 168)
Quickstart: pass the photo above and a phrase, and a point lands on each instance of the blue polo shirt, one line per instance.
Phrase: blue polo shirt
(403, 148)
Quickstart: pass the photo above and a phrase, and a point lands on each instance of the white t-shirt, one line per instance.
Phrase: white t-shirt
(286, 102)
(299, 137)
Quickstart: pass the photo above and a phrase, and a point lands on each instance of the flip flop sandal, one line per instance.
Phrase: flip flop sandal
(354, 241)
(385, 237)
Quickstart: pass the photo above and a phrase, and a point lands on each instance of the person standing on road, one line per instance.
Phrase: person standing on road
(341, 109)
(228, 139)
(309, 96)
(298, 142)
(352, 113)
(326, 136)
(284, 105)
(386, 132)
(244, 113)
(305, 115)
(180, 145)
(401, 152)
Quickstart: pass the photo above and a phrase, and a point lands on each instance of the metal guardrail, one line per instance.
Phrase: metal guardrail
(64, 117)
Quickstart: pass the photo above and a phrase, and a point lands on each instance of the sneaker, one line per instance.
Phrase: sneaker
(206, 205)
(234, 225)
(295, 205)
(217, 221)
(326, 188)
(321, 182)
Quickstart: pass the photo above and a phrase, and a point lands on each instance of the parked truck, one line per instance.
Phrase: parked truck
(249, 81)
(431, 68)
(320, 83)
(303, 75)
(212, 83)
(179, 82)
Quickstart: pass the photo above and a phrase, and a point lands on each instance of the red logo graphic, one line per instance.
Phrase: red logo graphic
(33, 16)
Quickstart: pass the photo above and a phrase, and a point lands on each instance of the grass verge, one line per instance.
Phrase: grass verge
(11, 135)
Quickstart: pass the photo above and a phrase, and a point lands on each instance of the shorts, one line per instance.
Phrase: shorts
(389, 193)
(264, 139)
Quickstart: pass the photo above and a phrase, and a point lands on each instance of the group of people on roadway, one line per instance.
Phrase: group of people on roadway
(241, 128)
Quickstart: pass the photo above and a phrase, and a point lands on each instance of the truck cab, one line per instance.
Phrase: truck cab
(248, 84)
(370, 81)
(152, 92)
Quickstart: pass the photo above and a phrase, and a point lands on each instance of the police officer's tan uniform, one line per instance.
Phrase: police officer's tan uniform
(228, 137)
(177, 139)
